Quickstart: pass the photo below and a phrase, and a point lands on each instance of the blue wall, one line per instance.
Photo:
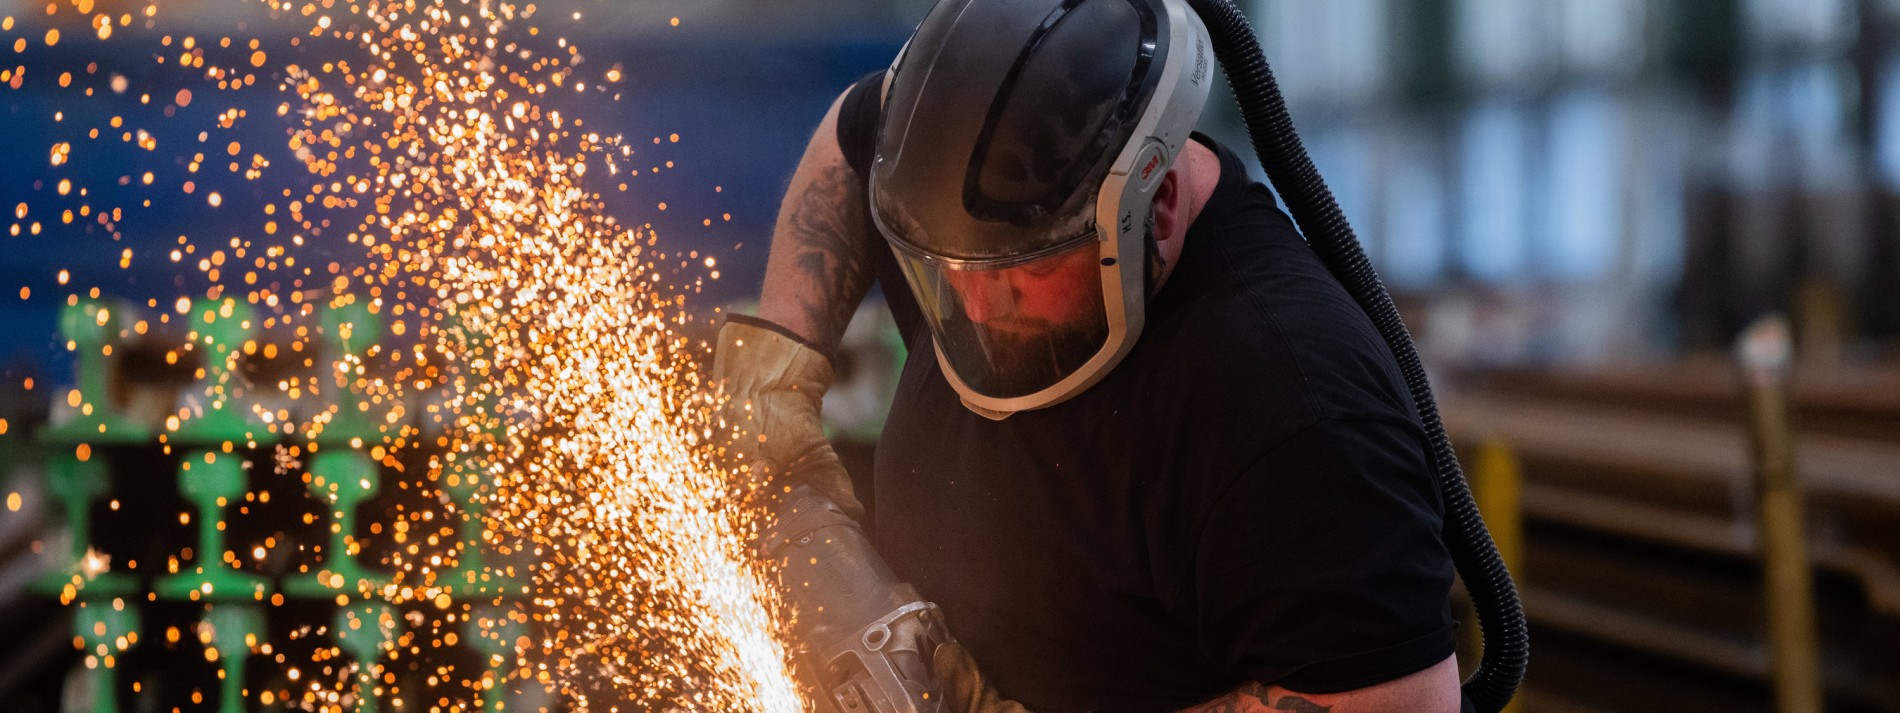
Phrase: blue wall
(743, 109)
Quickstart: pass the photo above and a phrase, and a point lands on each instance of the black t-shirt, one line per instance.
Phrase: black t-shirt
(1246, 497)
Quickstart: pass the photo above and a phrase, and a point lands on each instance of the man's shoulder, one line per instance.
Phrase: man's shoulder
(1290, 347)
(857, 120)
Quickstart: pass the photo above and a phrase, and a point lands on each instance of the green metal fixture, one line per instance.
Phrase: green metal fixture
(211, 481)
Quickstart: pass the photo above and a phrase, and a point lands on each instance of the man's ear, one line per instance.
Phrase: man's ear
(1168, 206)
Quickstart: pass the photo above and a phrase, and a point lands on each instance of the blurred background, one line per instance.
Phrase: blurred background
(1580, 204)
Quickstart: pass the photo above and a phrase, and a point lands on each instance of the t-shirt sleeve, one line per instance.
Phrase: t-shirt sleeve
(1321, 568)
(857, 121)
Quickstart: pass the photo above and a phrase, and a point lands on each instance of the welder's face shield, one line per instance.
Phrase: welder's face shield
(1018, 151)
(1010, 328)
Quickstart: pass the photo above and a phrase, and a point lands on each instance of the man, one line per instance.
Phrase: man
(1146, 454)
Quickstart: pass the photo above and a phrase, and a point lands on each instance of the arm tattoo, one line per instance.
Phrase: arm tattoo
(1253, 697)
(829, 234)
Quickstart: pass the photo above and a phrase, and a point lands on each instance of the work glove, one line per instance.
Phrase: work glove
(774, 385)
(964, 688)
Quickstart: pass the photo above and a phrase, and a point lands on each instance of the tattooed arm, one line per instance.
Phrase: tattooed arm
(1433, 690)
(820, 263)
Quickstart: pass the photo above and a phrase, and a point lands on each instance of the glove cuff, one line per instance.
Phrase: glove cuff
(775, 328)
(755, 356)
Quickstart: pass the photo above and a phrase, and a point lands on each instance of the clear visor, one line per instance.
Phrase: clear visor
(1013, 328)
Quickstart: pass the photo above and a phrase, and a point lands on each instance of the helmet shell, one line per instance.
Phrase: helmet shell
(1002, 118)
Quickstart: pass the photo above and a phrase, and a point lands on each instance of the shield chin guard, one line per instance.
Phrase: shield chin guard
(1124, 206)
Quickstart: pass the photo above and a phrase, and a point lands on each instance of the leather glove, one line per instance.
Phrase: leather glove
(964, 688)
(774, 386)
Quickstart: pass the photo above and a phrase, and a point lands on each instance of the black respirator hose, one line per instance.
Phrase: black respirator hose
(1500, 614)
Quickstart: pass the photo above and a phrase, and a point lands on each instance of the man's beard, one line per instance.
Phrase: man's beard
(1020, 362)
(1032, 355)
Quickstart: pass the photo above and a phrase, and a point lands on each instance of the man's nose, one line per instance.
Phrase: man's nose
(986, 301)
